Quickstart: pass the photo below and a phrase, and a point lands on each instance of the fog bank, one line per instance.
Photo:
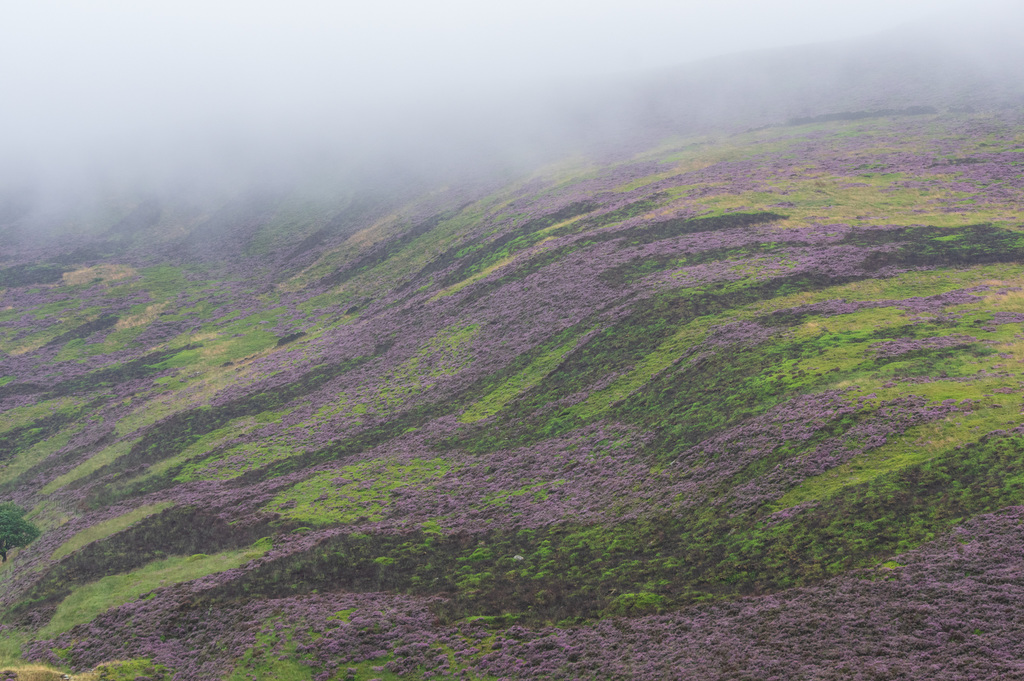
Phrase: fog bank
(167, 96)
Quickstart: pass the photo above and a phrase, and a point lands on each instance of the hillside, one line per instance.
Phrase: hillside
(742, 406)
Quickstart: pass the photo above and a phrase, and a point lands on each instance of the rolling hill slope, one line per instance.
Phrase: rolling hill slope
(737, 407)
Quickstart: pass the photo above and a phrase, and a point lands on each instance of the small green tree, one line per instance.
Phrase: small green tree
(15, 531)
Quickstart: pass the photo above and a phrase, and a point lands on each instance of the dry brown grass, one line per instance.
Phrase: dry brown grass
(1010, 301)
(38, 672)
(145, 317)
(374, 233)
(105, 273)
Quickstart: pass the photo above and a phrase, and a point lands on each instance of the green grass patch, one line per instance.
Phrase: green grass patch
(275, 658)
(356, 493)
(446, 354)
(130, 670)
(282, 666)
(87, 601)
(163, 281)
(11, 645)
(516, 385)
(181, 359)
(56, 308)
(233, 462)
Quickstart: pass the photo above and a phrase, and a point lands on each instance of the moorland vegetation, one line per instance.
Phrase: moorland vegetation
(738, 407)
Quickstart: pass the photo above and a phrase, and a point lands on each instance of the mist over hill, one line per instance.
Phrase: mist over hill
(399, 140)
(709, 372)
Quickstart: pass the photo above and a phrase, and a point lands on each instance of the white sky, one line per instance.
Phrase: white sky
(77, 74)
(103, 39)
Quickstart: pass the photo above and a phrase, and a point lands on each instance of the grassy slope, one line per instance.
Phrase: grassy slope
(653, 368)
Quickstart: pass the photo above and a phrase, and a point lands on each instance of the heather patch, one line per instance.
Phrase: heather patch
(822, 351)
(22, 445)
(483, 273)
(106, 528)
(357, 225)
(895, 348)
(620, 347)
(85, 325)
(96, 462)
(167, 401)
(29, 275)
(30, 458)
(296, 218)
(634, 235)
(445, 355)
(819, 189)
(120, 377)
